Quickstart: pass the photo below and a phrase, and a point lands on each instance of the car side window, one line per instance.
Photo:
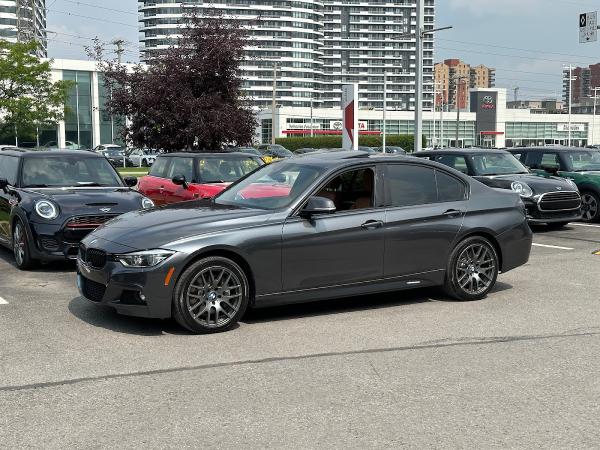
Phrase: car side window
(456, 162)
(160, 167)
(409, 185)
(182, 166)
(449, 188)
(9, 169)
(533, 160)
(550, 160)
(351, 190)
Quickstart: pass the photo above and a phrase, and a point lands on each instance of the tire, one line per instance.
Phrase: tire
(144, 163)
(20, 245)
(591, 206)
(557, 225)
(198, 300)
(472, 269)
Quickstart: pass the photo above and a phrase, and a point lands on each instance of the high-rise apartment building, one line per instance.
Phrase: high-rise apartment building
(315, 46)
(585, 79)
(455, 76)
(24, 20)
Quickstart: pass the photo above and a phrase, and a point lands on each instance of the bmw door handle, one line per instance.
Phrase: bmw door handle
(372, 224)
(453, 213)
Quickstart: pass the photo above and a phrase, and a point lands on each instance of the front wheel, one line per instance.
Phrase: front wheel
(590, 204)
(472, 269)
(21, 250)
(211, 295)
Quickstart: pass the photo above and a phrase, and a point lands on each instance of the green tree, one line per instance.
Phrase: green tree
(29, 98)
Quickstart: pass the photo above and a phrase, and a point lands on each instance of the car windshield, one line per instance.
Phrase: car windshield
(249, 150)
(68, 172)
(488, 164)
(114, 152)
(225, 170)
(281, 152)
(274, 186)
(584, 161)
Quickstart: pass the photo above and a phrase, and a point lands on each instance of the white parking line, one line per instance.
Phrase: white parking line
(553, 246)
(585, 225)
(3, 302)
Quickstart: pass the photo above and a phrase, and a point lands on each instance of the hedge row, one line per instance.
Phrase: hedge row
(401, 140)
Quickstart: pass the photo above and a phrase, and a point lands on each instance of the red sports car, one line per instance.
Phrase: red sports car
(177, 177)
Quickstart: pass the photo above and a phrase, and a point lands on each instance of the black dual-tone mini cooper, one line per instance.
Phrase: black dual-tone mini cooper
(552, 200)
(49, 201)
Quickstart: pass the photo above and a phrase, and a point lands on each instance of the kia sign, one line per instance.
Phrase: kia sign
(350, 116)
(588, 27)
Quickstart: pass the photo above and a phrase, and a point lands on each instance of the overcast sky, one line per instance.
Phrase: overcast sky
(528, 41)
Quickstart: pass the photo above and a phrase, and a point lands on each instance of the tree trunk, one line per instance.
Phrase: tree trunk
(16, 136)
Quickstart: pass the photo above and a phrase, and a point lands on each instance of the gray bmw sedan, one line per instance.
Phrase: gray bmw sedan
(303, 229)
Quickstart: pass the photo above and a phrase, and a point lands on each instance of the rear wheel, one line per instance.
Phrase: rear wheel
(21, 250)
(590, 204)
(211, 295)
(472, 269)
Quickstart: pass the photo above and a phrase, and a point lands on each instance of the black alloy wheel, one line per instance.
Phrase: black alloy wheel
(211, 295)
(472, 269)
(21, 250)
(590, 205)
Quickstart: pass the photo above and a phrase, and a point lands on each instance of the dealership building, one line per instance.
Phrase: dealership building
(487, 122)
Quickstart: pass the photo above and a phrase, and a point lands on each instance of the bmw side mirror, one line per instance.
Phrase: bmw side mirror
(318, 205)
(3, 184)
(131, 181)
(180, 180)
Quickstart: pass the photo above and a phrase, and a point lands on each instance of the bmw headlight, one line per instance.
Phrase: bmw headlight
(522, 189)
(46, 209)
(147, 258)
(147, 203)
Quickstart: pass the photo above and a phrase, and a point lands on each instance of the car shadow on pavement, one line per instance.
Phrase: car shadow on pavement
(53, 267)
(106, 317)
(352, 304)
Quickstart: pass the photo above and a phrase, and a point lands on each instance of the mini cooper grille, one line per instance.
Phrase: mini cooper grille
(92, 257)
(88, 221)
(92, 290)
(560, 201)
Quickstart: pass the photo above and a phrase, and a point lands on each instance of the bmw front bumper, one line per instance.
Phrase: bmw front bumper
(144, 292)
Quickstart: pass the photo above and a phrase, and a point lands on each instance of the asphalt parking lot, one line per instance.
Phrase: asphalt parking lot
(518, 369)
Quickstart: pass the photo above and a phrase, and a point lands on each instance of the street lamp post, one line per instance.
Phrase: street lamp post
(570, 69)
(591, 142)
(384, 111)
(459, 80)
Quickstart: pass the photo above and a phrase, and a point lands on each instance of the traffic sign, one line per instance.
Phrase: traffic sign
(588, 27)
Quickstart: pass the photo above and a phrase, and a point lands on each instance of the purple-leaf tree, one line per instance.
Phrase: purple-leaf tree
(188, 97)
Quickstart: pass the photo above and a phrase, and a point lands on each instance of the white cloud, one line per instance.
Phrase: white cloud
(481, 8)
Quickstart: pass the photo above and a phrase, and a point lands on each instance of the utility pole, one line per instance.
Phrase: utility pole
(435, 84)
(384, 111)
(119, 44)
(570, 68)
(274, 104)
(591, 142)
(442, 119)
(312, 129)
(419, 37)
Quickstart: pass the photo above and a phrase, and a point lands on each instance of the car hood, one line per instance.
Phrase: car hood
(539, 185)
(91, 200)
(157, 227)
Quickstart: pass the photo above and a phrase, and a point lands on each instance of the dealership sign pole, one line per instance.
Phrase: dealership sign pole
(350, 116)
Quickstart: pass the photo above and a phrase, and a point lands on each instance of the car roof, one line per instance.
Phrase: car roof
(460, 151)
(219, 154)
(551, 148)
(51, 153)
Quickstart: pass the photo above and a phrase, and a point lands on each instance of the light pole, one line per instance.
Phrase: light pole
(274, 104)
(442, 120)
(312, 129)
(384, 111)
(570, 69)
(419, 37)
(459, 80)
(435, 84)
(596, 89)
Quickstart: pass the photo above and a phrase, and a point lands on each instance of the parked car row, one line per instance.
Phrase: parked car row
(209, 234)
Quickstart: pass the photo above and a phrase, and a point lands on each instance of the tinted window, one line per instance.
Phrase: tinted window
(9, 167)
(449, 188)
(456, 162)
(351, 190)
(159, 168)
(68, 171)
(182, 166)
(224, 170)
(550, 160)
(489, 164)
(408, 185)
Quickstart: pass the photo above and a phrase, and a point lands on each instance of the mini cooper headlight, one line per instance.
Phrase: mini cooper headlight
(147, 203)
(147, 258)
(522, 189)
(46, 209)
